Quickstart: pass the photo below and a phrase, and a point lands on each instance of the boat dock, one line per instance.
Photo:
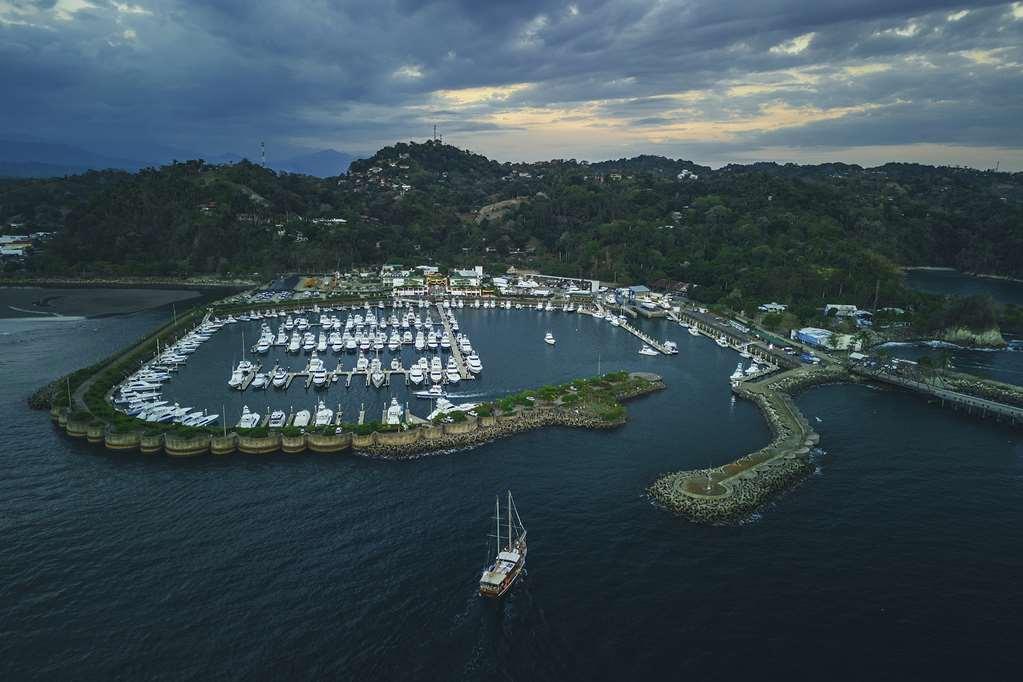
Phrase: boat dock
(337, 376)
(642, 336)
(713, 329)
(456, 352)
(645, 338)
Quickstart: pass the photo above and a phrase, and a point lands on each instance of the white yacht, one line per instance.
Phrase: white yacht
(249, 420)
(277, 419)
(324, 415)
(549, 339)
(237, 379)
(671, 347)
(260, 381)
(377, 377)
(435, 392)
(394, 412)
(694, 331)
(415, 374)
(647, 350)
(738, 373)
(301, 418)
(279, 378)
(722, 341)
(473, 364)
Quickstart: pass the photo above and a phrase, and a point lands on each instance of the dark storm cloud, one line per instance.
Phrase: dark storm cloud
(219, 75)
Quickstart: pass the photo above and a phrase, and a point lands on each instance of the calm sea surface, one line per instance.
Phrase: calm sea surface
(1001, 365)
(900, 559)
(954, 283)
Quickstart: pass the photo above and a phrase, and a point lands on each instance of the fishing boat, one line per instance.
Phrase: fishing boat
(549, 339)
(510, 561)
(277, 419)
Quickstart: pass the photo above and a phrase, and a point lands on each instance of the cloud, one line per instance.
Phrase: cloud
(795, 45)
(531, 79)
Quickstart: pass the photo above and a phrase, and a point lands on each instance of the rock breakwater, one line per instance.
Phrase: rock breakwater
(737, 489)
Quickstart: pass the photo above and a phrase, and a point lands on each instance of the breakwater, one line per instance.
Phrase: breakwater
(737, 489)
(397, 444)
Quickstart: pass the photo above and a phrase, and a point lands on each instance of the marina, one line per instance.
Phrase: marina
(377, 353)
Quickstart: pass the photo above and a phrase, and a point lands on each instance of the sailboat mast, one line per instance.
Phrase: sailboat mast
(497, 505)
(509, 522)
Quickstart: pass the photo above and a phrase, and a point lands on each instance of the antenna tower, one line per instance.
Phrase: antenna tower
(262, 153)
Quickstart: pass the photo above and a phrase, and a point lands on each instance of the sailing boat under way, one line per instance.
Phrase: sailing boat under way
(511, 557)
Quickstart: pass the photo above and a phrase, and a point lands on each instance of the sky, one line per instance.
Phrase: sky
(713, 81)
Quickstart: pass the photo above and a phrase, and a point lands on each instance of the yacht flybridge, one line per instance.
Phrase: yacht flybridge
(510, 561)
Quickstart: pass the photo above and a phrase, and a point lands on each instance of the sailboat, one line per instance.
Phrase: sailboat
(511, 557)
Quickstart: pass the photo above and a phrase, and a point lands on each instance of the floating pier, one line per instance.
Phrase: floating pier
(456, 352)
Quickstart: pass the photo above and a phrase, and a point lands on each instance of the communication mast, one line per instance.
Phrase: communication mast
(262, 153)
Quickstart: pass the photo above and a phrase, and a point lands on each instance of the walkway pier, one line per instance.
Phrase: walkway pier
(456, 352)
(645, 338)
(961, 401)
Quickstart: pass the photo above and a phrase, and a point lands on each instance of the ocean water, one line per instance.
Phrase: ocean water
(899, 559)
(1001, 365)
(953, 283)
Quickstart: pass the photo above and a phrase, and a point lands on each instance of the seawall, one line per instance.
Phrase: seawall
(411, 442)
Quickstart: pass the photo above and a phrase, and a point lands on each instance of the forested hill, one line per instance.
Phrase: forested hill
(763, 231)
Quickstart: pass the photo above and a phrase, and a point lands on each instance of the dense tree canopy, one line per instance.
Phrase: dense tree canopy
(744, 234)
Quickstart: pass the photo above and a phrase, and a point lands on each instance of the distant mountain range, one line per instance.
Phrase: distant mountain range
(33, 159)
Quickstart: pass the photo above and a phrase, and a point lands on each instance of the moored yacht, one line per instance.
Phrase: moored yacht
(415, 374)
(249, 420)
